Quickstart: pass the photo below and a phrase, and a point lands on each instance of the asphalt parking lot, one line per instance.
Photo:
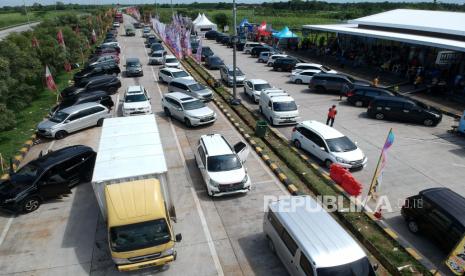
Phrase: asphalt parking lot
(421, 157)
(223, 236)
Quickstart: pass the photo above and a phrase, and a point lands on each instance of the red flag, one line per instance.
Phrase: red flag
(35, 42)
(94, 36)
(60, 39)
(49, 80)
(67, 66)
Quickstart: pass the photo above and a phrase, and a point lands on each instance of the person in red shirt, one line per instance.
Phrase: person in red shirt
(331, 115)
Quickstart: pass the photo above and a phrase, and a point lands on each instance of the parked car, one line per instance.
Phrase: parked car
(114, 45)
(222, 166)
(313, 66)
(107, 83)
(249, 45)
(264, 56)
(278, 107)
(137, 25)
(403, 109)
(187, 109)
(116, 24)
(255, 52)
(151, 39)
(171, 62)
(274, 57)
(194, 46)
(155, 47)
(192, 88)
(309, 241)
(98, 70)
(254, 87)
(324, 82)
(129, 30)
(157, 57)
(363, 95)
(225, 40)
(100, 97)
(219, 37)
(105, 51)
(284, 64)
(211, 34)
(213, 62)
(328, 145)
(206, 52)
(48, 176)
(110, 39)
(72, 119)
(136, 101)
(303, 76)
(436, 213)
(168, 74)
(133, 67)
(146, 32)
(101, 59)
(227, 71)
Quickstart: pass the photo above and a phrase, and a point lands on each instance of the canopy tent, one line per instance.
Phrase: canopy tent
(197, 19)
(245, 25)
(285, 33)
(262, 30)
(204, 24)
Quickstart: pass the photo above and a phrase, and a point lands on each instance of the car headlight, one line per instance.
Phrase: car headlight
(341, 160)
(167, 252)
(214, 183)
(120, 261)
(246, 177)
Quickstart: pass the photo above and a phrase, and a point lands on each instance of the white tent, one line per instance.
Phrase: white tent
(204, 25)
(197, 19)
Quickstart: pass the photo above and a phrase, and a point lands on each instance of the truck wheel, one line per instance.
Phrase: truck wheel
(30, 204)
(60, 134)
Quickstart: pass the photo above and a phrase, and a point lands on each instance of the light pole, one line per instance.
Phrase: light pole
(234, 100)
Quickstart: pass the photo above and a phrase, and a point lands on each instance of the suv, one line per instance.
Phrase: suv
(206, 52)
(328, 145)
(157, 57)
(100, 97)
(168, 74)
(101, 59)
(130, 31)
(303, 76)
(226, 72)
(107, 83)
(362, 96)
(72, 119)
(133, 67)
(222, 166)
(48, 176)
(253, 88)
(213, 62)
(249, 45)
(151, 39)
(278, 107)
(171, 62)
(403, 109)
(284, 64)
(324, 82)
(136, 101)
(155, 47)
(191, 88)
(313, 66)
(187, 109)
(255, 52)
(98, 70)
(274, 57)
(211, 34)
(438, 214)
(146, 32)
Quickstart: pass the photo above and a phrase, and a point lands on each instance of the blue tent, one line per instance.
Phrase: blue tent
(245, 25)
(285, 33)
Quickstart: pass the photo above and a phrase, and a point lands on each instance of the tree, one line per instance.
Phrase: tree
(221, 19)
(7, 118)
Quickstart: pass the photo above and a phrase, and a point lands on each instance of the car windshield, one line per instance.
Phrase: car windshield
(171, 60)
(139, 235)
(284, 106)
(157, 54)
(341, 144)
(196, 87)
(360, 267)
(207, 51)
(238, 72)
(29, 170)
(59, 117)
(157, 47)
(133, 64)
(193, 105)
(132, 98)
(227, 162)
(180, 74)
(261, 86)
(324, 68)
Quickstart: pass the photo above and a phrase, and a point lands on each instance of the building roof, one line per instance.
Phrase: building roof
(319, 236)
(445, 22)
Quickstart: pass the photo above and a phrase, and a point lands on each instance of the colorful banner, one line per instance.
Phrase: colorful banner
(378, 175)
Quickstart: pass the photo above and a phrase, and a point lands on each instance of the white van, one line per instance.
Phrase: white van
(310, 242)
(249, 45)
(278, 107)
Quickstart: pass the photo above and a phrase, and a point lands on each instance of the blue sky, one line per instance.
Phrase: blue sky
(48, 2)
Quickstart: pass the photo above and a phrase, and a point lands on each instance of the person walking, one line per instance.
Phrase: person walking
(331, 115)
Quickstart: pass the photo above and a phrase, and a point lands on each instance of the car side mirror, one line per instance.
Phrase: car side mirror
(323, 148)
(178, 237)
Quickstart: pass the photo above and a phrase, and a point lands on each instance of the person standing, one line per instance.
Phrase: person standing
(331, 115)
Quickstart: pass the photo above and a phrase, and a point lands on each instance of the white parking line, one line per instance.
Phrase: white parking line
(203, 220)
(6, 229)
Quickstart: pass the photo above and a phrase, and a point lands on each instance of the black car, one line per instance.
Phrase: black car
(47, 177)
(107, 83)
(111, 46)
(240, 46)
(110, 39)
(255, 52)
(403, 109)
(98, 70)
(363, 95)
(220, 36)
(151, 39)
(284, 64)
(100, 97)
(194, 46)
(225, 39)
(213, 62)
(206, 52)
(110, 35)
(156, 47)
(211, 34)
(133, 67)
(137, 25)
(437, 213)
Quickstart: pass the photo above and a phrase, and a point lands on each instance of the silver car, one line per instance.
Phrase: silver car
(227, 71)
(187, 109)
(191, 88)
(72, 119)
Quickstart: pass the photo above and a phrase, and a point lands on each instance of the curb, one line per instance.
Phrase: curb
(21, 154)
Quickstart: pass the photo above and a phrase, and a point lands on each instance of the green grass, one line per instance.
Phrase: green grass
(15, 18)
(27, 119)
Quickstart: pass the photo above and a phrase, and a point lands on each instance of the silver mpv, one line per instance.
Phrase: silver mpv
(191, 88)
(72, 119)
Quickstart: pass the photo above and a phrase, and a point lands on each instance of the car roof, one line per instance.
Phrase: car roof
(170, 69)
(79, 107)
(356, 86)
(309, 70)
(170, 56)
(393, 99)
(185, 81)
(99, 77)
(215, 144)
(257, 81)
(308, 64)
(319, 236)
(449, 201)
(281, 98)
(132, 60)
(182, 97)
(134, 89)
(58, 156)
(325, 131)
(323, 74)
(93, 94)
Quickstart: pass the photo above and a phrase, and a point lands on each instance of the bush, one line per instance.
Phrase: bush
(221, 19)
(7, 118)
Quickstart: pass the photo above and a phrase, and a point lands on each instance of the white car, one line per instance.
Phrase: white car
(328, 145)
(136, 101)
(278, 107)
(249, 45)
(272, 58)
(303, 76)
(187, 109)
(168, 74)
(116, 24)
(312, 66)
(222, 166)
(171, 61)
(226, 72)
(254, 87)
(157, 57)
